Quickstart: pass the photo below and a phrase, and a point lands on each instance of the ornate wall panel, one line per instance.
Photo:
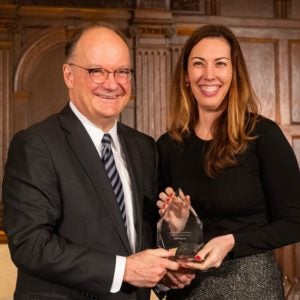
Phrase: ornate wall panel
(47, 90)
(153, 69)
(75, 3)
(38, 84)
(153, 4)
(283, 85)
(176, 50)
(294, 11)
(189, 5)
(33, 51)
(295, 80)
(5, 95)
(260, 56)
(253, 8)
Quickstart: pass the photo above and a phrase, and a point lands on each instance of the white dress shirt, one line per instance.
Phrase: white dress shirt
(96, 134)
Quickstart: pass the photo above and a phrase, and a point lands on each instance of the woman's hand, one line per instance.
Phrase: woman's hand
(213, 253)
(164, 199)
(175, 209)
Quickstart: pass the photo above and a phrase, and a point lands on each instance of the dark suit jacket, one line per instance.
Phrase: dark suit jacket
(60, 214)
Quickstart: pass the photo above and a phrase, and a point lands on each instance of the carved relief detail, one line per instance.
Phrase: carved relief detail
(185, 5)
(86, 3)
(152, 4)
(12, 27)
(138, 30)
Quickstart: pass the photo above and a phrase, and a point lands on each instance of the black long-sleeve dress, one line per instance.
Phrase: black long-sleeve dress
(258, 201)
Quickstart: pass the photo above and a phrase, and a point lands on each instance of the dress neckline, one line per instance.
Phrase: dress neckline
(200, 139)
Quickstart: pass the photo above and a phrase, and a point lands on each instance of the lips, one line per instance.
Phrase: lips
(209, 90)
(108, 97)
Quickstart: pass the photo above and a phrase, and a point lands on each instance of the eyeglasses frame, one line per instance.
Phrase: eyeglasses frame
(91, 70)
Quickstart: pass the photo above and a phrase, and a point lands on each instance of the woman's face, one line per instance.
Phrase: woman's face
(210, 72)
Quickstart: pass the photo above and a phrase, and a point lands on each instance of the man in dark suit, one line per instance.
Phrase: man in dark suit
(73, 232)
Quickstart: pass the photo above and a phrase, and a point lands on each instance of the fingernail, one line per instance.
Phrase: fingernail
(197, 257)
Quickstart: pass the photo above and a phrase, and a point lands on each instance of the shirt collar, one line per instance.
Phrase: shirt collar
(95, 133)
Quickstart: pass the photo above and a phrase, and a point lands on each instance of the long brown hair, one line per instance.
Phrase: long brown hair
(232, 129)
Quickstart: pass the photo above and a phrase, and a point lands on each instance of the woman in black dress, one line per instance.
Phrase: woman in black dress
(237, 167)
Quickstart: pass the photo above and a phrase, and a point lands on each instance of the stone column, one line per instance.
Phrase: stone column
(151, 32)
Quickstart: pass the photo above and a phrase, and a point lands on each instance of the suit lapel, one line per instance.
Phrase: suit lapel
(85, 151)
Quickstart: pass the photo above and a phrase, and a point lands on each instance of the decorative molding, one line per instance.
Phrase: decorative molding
(152, 4)
(282, 8)
(294, 66)
(74, 3)
(170, 31)
(48, 39)
(192, 5)
(158, 30)
(13, 27)
(211, 7)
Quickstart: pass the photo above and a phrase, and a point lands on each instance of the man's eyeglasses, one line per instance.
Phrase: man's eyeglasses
(99, 75)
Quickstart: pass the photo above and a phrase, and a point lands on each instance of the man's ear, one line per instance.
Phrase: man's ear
(68, 75)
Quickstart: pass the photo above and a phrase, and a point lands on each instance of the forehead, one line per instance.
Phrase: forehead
(211, 47)
(103, 47)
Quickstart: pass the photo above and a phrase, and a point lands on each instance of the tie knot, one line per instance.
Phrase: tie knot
(106, 140)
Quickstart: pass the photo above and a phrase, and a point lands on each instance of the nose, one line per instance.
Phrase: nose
(110, 83)
(209, 72)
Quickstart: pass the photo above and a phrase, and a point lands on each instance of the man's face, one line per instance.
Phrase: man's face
(101, 103)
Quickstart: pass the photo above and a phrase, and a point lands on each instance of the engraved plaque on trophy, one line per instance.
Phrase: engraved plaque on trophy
(180, 228)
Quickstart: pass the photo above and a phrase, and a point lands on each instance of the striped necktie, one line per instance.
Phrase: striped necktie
(112, 173)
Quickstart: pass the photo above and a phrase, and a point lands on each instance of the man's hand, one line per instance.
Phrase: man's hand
(147, 268)
(178, 279)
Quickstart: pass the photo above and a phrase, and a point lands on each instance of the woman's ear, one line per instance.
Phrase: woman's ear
(68, 75)
(187, 81)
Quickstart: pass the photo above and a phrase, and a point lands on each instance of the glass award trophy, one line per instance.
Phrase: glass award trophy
(180, 228)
